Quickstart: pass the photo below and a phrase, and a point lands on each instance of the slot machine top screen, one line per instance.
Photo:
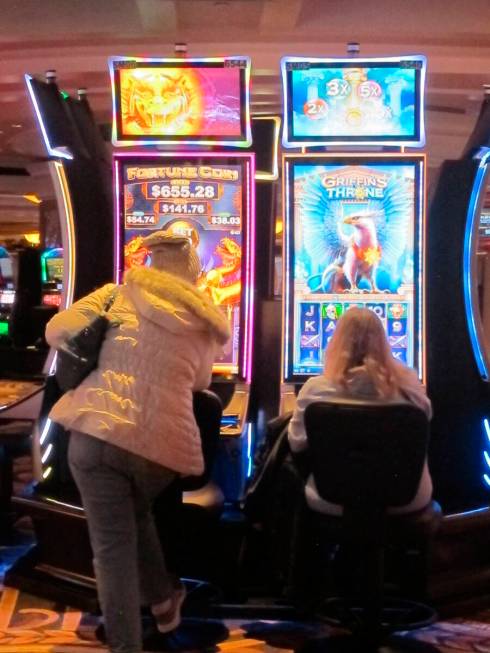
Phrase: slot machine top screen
(209, 199)
(52, 265)
(185, 101)
(353, 101)
(353, 237)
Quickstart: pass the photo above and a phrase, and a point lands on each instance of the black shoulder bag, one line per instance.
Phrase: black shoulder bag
(79, 355)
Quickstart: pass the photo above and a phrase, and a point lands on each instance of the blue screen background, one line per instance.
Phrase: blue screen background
(337, 101)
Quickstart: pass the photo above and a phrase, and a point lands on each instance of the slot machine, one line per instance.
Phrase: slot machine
(459, 351)
(59, 566)
(207, 196)
(7, 290)
(210, 196)
(458, 288)
(52, 270)
(353, 221)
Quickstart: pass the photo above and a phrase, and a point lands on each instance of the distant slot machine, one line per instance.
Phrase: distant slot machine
(203, 195)
(52, 267)
(353, 221)
(7, 290)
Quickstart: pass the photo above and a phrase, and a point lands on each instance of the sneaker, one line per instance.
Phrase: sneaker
(167, 614)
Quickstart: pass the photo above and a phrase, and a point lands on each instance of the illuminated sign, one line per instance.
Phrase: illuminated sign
(203, 101)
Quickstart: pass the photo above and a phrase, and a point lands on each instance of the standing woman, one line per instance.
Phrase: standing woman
(133, 428)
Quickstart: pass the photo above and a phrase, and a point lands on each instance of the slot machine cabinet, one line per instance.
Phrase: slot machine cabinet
(212, 111)
(330, 200)
(264, 398)
(208, 198)
(458, 366)
(82, 187)
(458, 351)
(83, 194)
(53, 568)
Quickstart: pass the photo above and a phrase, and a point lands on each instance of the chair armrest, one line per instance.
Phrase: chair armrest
(277, 424)
(302, 462)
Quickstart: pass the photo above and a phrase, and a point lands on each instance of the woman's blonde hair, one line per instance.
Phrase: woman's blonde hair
(359, 340)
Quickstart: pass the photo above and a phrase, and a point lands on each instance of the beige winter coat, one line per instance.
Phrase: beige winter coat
(140, 396)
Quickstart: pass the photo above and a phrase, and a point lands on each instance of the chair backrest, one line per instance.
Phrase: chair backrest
(208, 410)
(366, 453)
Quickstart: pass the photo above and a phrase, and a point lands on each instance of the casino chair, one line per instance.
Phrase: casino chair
(193, 506)
(368, 456)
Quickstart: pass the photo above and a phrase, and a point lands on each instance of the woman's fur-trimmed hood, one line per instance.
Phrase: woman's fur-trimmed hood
(174, 303)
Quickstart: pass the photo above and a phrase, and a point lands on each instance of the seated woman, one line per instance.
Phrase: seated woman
(359, 364)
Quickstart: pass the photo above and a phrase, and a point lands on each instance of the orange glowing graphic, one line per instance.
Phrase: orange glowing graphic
(223, 283)
(184, 228)
(134, 254)
(158, 102)
(128, 199)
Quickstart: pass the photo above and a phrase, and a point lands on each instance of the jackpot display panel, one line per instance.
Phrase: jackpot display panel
(353, 101)
(199, 101)
(209, 199)
(354, 236)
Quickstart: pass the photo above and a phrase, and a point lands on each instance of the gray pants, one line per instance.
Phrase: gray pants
(117, 490)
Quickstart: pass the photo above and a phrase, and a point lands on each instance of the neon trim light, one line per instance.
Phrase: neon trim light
(63, 197)
(118, 266)
(243, 140)
(473, 317)
(286, 269)
(288, 138)
(486, 456)
(68, 235)
(249, 273)
(249, 449)
(45, 431)
(47, 453)
(421, 245)
(59, 152)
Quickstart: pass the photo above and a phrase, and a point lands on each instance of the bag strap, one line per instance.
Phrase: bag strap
(110, 300)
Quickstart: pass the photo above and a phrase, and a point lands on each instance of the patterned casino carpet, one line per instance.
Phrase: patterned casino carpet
(29, 625)
(32, 625)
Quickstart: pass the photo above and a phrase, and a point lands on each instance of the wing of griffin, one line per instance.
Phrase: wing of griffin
(392, 228)
(319, 218)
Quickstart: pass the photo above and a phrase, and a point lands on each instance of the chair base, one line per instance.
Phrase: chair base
(396, 615)
(353, 644)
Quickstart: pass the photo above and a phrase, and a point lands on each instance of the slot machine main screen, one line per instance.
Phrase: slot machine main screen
(354, 238)
(206, 204)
